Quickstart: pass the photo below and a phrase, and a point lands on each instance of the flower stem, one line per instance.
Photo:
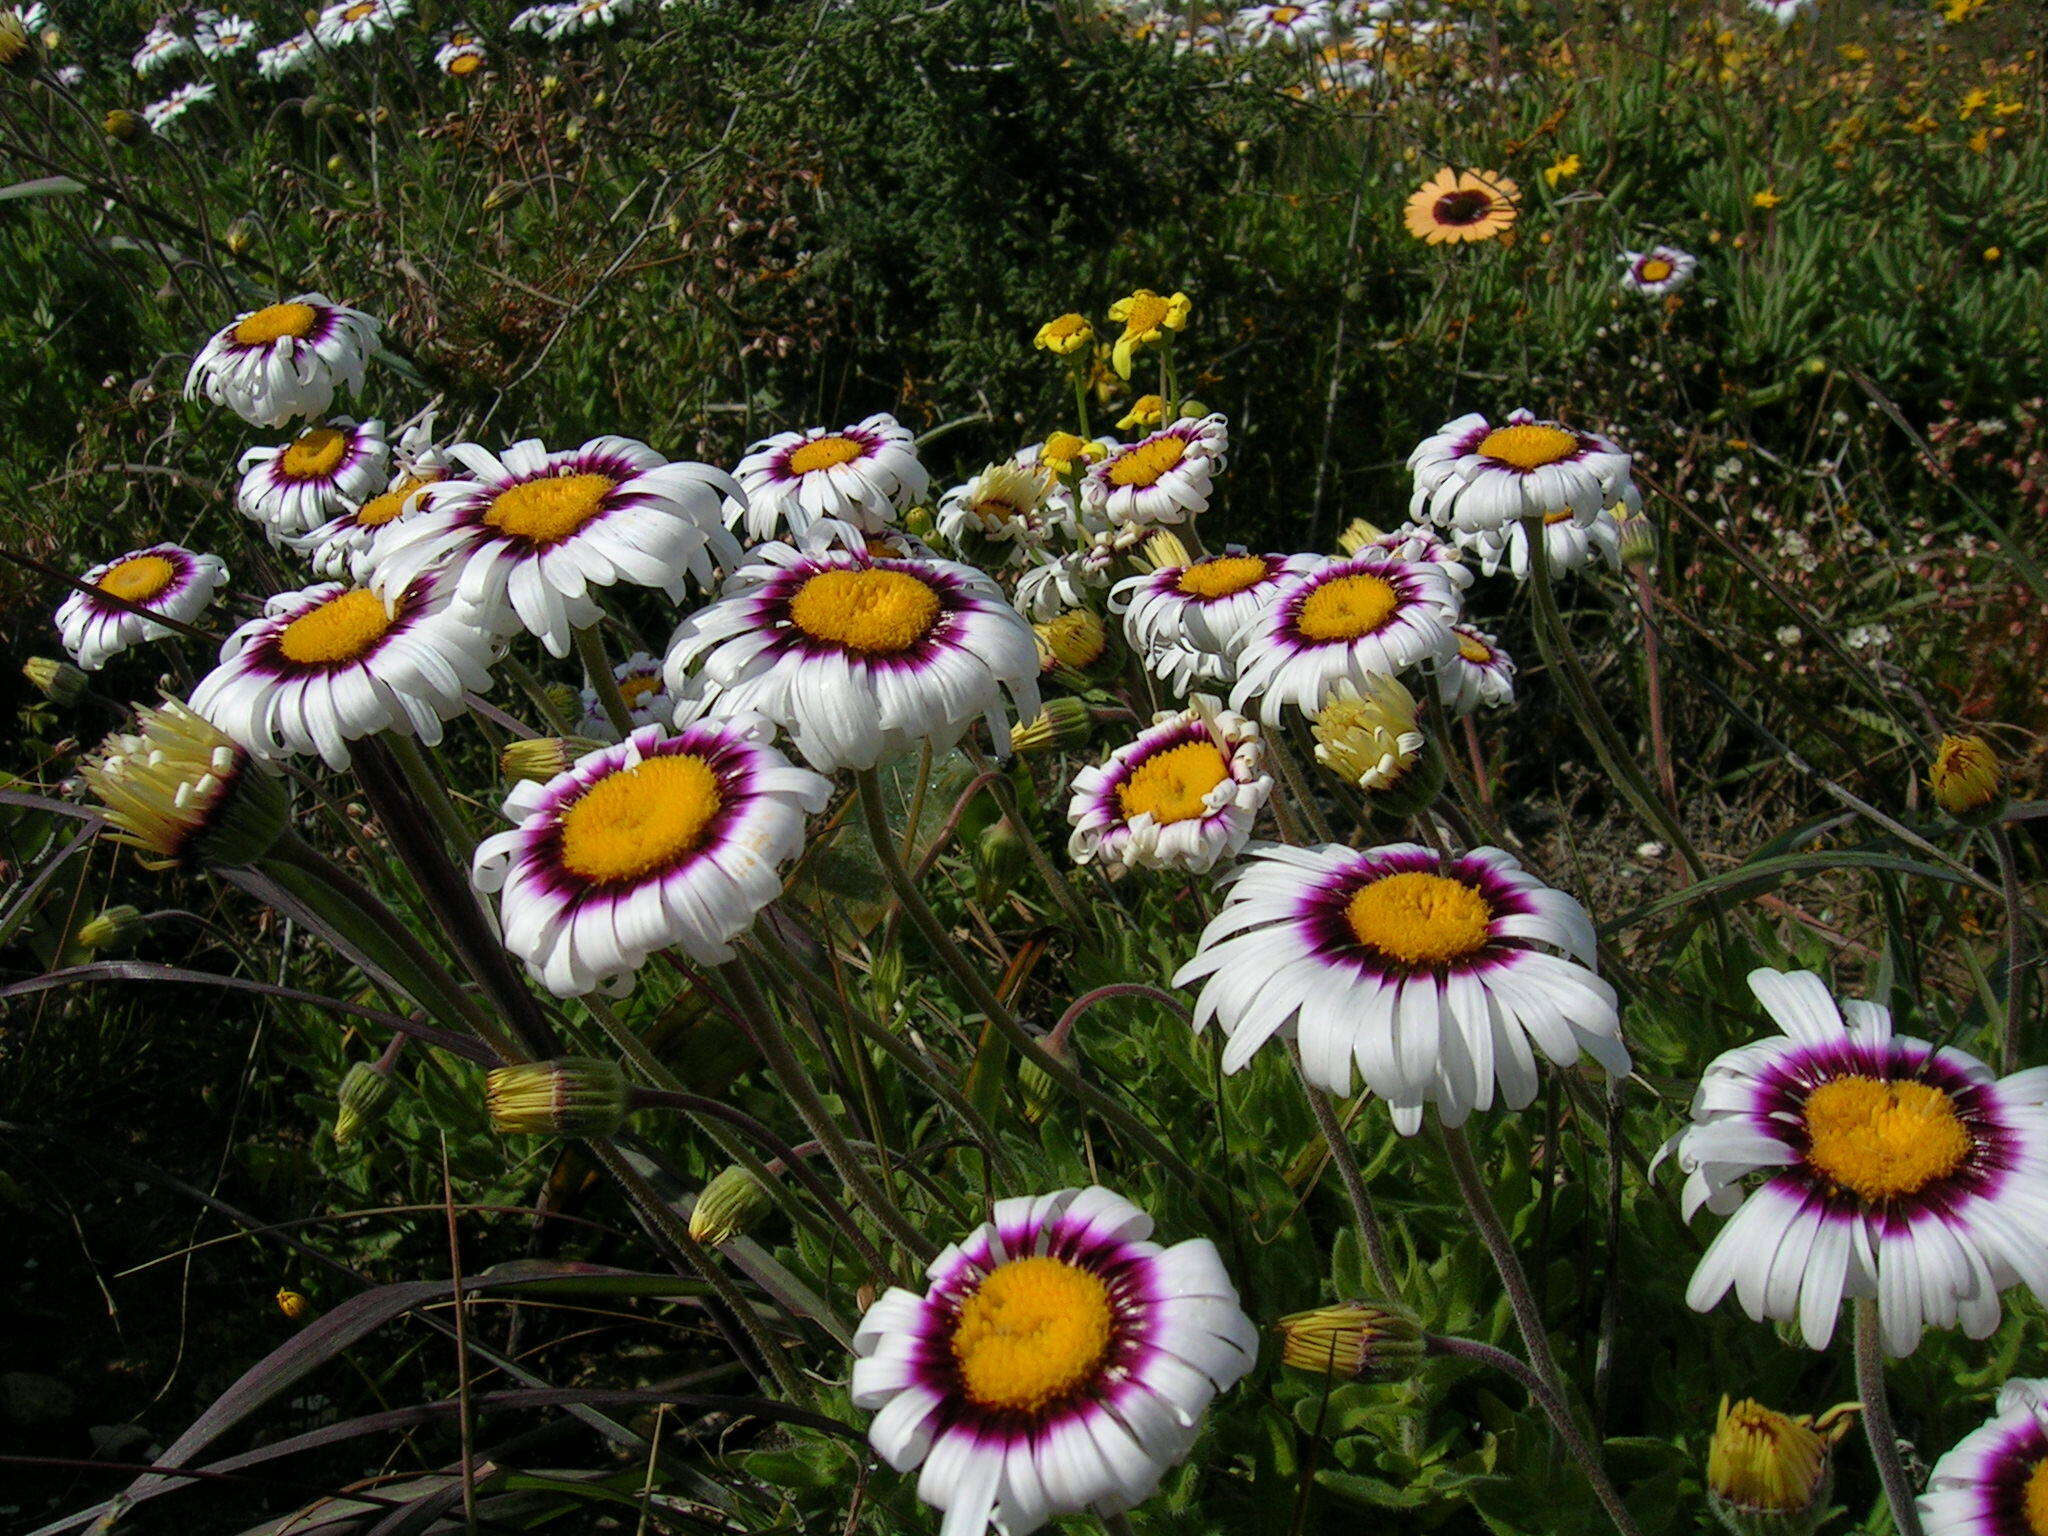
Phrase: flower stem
(1369, 1228)
(2017, 959)
(598, 668)
(1653, 682)
(1005, 794)
(1877, 1419)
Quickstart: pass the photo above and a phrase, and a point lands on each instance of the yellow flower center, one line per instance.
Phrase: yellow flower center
(1880, 1139)
(1528, 446)
(138, 578)
(357, 12)
(316, 454)
(2034, 1502)
(1347, 608)
(346, 627)
(465, 64)
(1285, 15)
(1655, 270)
(1420, 919)
(1171, 786)
(1222, 576)
(635, 690)
(875, 612)
(379, 510)
(1031, 1334)
(548, 511)
(1145, 313)
(1473, 651)
(1144, 464)
(639, 820)
(1764, 1462)
(1065, 327)
(276, 323)
(825, 453)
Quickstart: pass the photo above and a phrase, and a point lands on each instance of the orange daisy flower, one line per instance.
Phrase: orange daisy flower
(1454, 206)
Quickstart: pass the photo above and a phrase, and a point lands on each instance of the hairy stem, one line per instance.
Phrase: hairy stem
(1877, 1419)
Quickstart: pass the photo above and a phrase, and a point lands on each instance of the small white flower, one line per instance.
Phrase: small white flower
(1182, 795)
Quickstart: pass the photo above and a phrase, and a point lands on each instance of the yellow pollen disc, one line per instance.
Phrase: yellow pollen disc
(379, 510)
(1881, 1139)
(1147, 312)
(1473, 651)
(639, 820)
(1655, 270)
(344, 628)
(358, 12)
(1420, 919)
(1221, 577)
(1171, 785)
(548, 511)
(824, 453)
(1347, 608)
(634, 690)
(1034, 1332)
(464, 64)
(2034, 1502)
(1145, 464)
(1528, 446)
(875, 612)
(275, 323)
(138, 578)
(315, 455)
(1286, 15)
(1552, 519)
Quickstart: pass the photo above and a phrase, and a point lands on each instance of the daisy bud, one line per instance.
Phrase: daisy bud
(1060, 725)
(241, 235)
(1636, 541)
(114, 929)
(1165, 549)
(575, 1096)
(1191, 409)
(563, 699)
(1967, 778)
(1370, 741)
(1075, 640)
(1357, 534)
(364, 1095)
(18, 51)
(123, 126)
(184, 792)
(1356, 1339)
(58, 681)
(1769, 1474)
(1036, 1083)
(542, 757)
(729, 1207)
(294, 1306)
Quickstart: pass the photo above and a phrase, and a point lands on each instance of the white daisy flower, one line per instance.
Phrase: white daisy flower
(1010, 504)
(460, 59)
(1658, 270)
(1344, 618)
(538, 19)
(660, 841)
(1473, 476)
(160, 45)
(1210, 604)
(222, 37)
(161, 114)
(859, 658)
(1182, 795)
(1572, 544)
(533, 533)
(1284, 26)
(647, 700)
(1885, 1167)
(339, 549)
(164, 578)
(295, 487)
(1995, 1481)
(285, 361)
(575, 16)
(861, 475)
(1164, 478)
(1780, 11)
(1187, 670)
(1418, 541)
(331, 664)
(1475, 673)
(286, 58)
(1432, 979)
(1058, 1363)
(358, 21)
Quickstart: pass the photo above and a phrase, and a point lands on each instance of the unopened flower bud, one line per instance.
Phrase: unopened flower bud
(241, 235)
(1637, 544)
(1060, 725)
(1768, 1473)
(542, 757)
(1358, 1340)
(1357, 534)
(574, 1096)
(1036, 1083)
(730, 1205)
(564, 699)
(1165, 549)
(19, 53)
(1190, 409)
(58, 681)
(294, 1305)
(123, 126)
(1370, 740)
(1967, 778)
(1075, 640)
(364, 1095)
(112, 931)
(1000, 852)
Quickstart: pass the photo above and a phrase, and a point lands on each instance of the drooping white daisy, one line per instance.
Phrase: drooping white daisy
(1210, 603)
(1886, 1167)
(1182, 795)
(1475, 673)
(577, 16)
(1058, 1363)
(160, 45)
(861, 475)
(286, 58)
(294, 487)
(1431, 979)
(1474, 476)
(533, 532)
(1658, 270)
(660, 841)
(160, 115)
(461, 53)
(285, 361)
(1164, 478)
(1418, 541)
(537, 19)
(164, 578)
(1059, 582)
(328, 665)
(1010, 504)
(357, 21)
(339, 549)
(1571, 544)
(1994, 1482)
(222, 37)
(1285, 26)
(1344, 618)
(859, 658)
(647, 700)
(1186, 670)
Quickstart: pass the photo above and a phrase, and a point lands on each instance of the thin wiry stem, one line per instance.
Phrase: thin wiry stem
(598, 668)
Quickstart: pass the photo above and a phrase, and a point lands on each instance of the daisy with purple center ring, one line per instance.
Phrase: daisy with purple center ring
(1057, 1363)
(1182, 795)
(286, 58)
(1164, 478)
(1344, 618)
(1474, 476)
(527, 535)
(294, 487)
(860, 658)
(164, 578)
(1210, 603)
(161, 114)
(1657, 271)
(160, 45)
(862, 475)
(331, 664)
(358, 21)
(1571, 544)
(1419, 542)
(285, 361)
(1995, 1481)
(1429, 979)
(339, 549)
(1476, 674)
(658, 842)
(647, 701)
(1886, 1167)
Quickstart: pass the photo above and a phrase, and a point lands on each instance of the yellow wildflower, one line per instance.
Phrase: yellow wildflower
(1561, 169)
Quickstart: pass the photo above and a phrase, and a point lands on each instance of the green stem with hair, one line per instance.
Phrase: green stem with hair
(598, 668)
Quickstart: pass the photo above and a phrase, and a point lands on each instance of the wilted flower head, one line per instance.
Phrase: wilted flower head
(1967, 778)
(182, 790)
